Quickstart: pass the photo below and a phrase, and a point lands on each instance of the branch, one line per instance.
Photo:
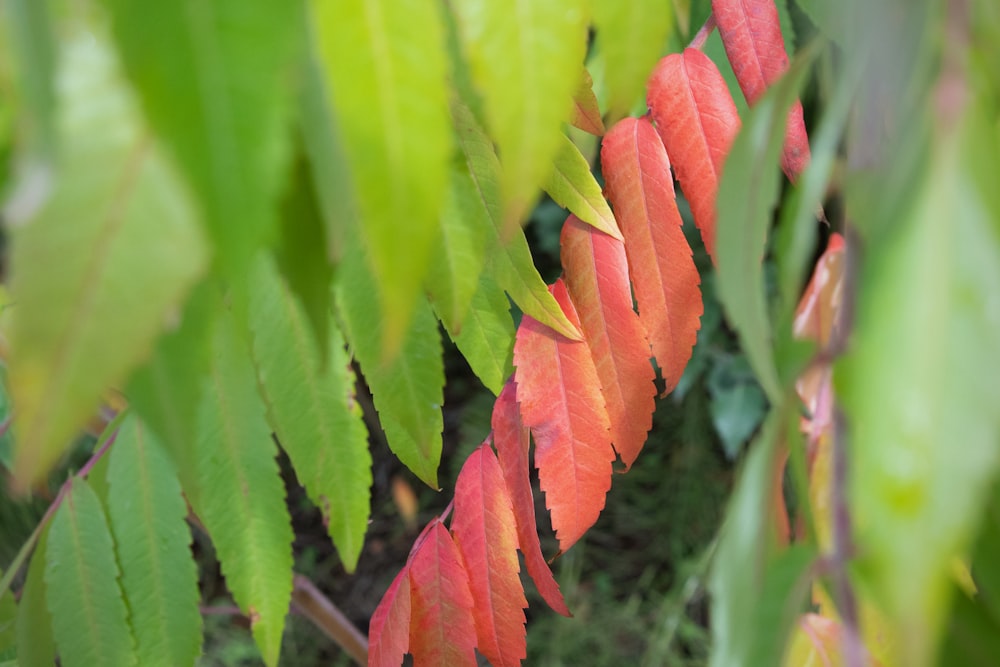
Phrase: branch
(703, 33)
(324, 614)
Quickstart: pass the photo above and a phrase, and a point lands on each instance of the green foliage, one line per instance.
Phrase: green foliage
(35, 644)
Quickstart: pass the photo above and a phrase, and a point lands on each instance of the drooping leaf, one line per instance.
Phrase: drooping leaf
(751, 34)
(525, 59)
(631, 37)
(34, 53)
(158, 576)
(664, 276)
(510, 261)
(123, 232)
(487, 336)
(312, 409)
(386, 70)
(573, 186)
(214, 80)
(389, 629)
(35, 644)
(408, 390)
(696, 118)
(89, 616)
(586, 112)
(442, 630)
(596, 274)
(241, 499)
(511, 440)
(558, 391)
(459, 255)
(486, 533)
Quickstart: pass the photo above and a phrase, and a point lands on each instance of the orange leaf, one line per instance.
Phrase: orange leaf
(442, 631)
(597, 278)
(388, 631)
(558, 392)
(751, 35)
(697, 120)
(638, 183)
(511, 440)
(486, 533)
(586, 112)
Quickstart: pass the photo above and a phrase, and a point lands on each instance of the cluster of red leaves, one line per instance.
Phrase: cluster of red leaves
(584, 403)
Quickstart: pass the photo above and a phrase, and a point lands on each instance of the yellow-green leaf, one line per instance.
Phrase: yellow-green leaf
(572, 185)
(35, 645)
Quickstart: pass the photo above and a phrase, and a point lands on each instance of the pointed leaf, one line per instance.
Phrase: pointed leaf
(389, 629)
(442, 630)
(89, 617)
(242, 497)
(386, 70)
(486, 534)
(751, 35)
(631, 37)
(213, 77)
(487, 336)
(35, 645)
(408, 390)
(312, 409)
(511, 440)
(558, 391)
(511, 264)
(526, 58)
(697, 120)
(664, 276)
(158, 576)
(596, 273)
(124, 234)
(586, 112)
(573, 186)
(33, 52)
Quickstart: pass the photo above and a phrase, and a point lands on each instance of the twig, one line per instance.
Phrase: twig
(703, 33)
(327, 617)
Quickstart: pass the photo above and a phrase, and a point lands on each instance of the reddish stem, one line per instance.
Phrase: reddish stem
(703, 33)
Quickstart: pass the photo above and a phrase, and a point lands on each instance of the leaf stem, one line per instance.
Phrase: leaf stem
(327, 617)
(703, 33)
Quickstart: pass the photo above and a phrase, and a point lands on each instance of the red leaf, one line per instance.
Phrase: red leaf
(486, 533)
(511, 440)
(442, 631)
(558, 392)
(586, 112)
(597, 277)
(389, 628)
(697, 120)
(638, 183)
(751, 34)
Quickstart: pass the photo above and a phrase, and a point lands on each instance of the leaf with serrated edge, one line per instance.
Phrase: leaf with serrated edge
(558, 391)
(389, 57)
(242, 497)
(596, 274)
(526, 58)
(35, 645)
(573, 186)
(697, 120)
(124, 234)
(665, 279)
(630, 37)
(586, 112)
(511, 440)
(158, 576)
(487, 336)
(389, 629)
(510, 264)
(89, 616)
(442, 630)
(312, 409)
(486, 534)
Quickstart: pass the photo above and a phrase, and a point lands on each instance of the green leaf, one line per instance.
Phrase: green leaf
(158, 576)
(631, 37)
(460, 253)
(387, 73)
(919, 389)
(747, 197)
(738, 404)
(166, 391)
(526, 58)
(8, 622)
(124, 235)
(510, 262)
(89, 616)
(35, 645)
(487, 336)
(242, 497)
(312, 409)
(572, 185)
(408, 389)
(214, 79)
(782, 597)
(34, 55)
